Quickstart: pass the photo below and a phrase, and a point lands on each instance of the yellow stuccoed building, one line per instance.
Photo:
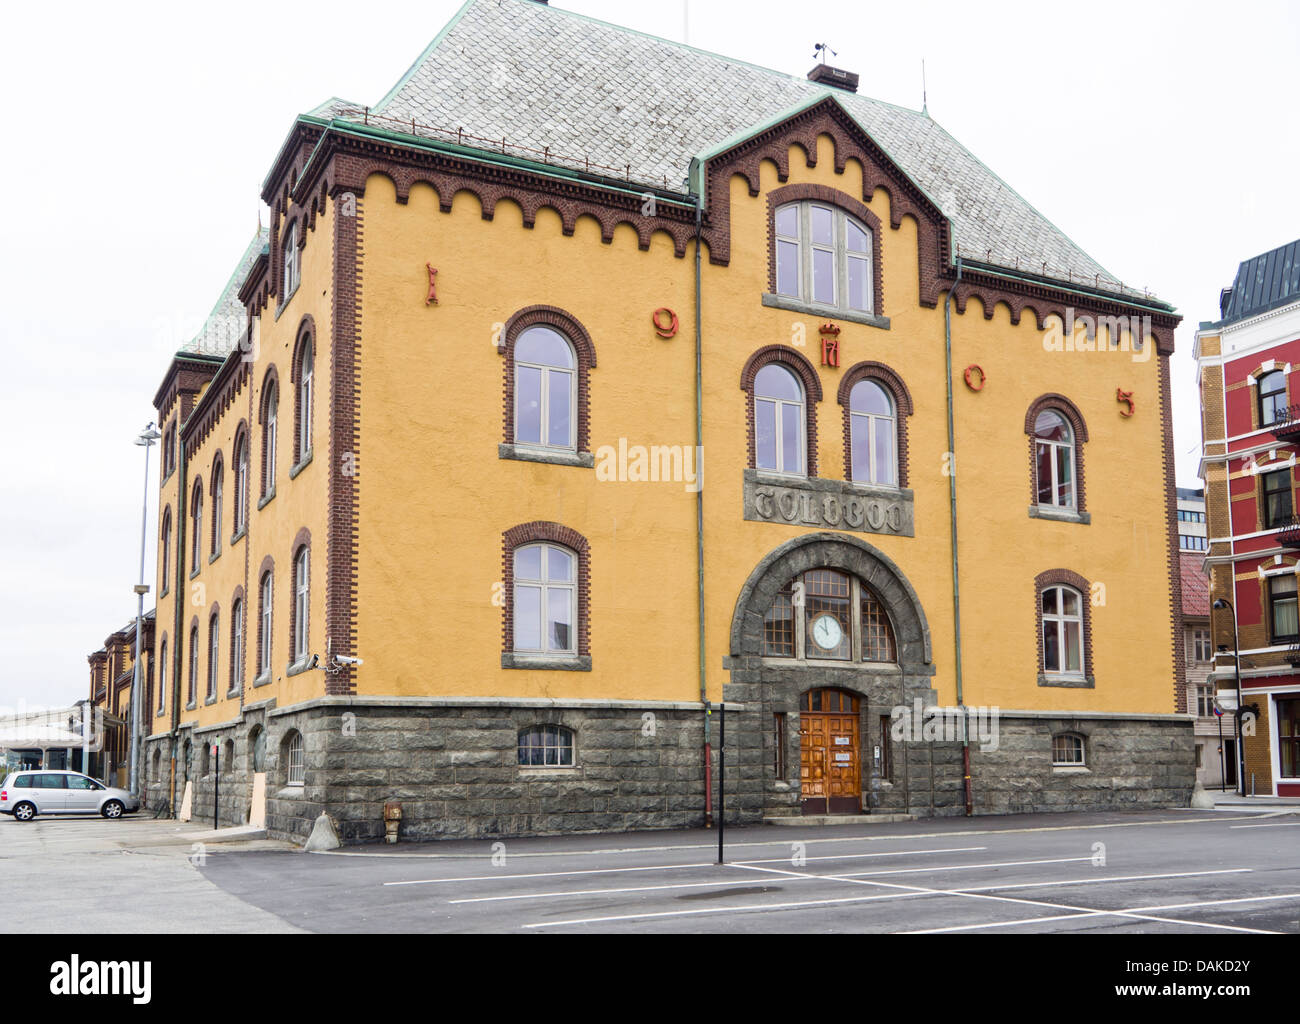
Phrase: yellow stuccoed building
(550, 415)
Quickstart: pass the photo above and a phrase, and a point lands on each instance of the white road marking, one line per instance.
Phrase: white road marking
(1276, 824)
(956, 867)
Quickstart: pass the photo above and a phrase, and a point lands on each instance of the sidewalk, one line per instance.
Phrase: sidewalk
(1231, 801)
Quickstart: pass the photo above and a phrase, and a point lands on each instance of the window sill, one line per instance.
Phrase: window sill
(194, 572)
(190, 706)
(287, 299)
(213, 557)
(582, 460)
(1076, 682)
(819, 664)
(1071, 769)
(543, 663)
(301, 666)
(160, 713)
(263, 680)
(266, 499)
(817, 309)
(239, 536)
(302, 464)
(291, 791)
(209, 702)
(1059, 515)
(550, 771)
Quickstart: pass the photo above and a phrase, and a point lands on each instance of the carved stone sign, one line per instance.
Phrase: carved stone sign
(827, 504)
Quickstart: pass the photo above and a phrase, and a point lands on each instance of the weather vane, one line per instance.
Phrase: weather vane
(821, 49)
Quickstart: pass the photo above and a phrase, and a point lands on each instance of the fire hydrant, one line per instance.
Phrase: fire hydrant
(392, 819)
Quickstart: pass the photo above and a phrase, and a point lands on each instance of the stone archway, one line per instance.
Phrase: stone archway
(771, 688)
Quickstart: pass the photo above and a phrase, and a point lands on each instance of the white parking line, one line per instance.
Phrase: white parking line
(678, 867)
(956, 867)
(1276, 824)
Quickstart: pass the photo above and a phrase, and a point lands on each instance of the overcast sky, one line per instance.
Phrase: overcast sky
(1160, 136)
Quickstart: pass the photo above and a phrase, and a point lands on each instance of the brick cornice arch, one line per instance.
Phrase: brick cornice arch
(584, 351)
(1061, 404)
(1068, 578)
(891, 382)
(832, 197)
(553, 533)
(812, 389)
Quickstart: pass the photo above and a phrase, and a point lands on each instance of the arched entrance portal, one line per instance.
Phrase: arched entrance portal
(828, 637)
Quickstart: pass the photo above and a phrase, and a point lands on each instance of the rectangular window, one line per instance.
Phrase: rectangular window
(886, 760)
(778, 625)
(1205, 701)
(1288, 737)
(1282, 607)
(778, 738)
(1277, 499)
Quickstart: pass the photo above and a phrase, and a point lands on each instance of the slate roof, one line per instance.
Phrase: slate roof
(224, 325)
(1196, 587)
(1266, 282)
(542, 77)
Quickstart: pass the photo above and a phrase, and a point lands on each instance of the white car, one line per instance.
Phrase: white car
(29, 793)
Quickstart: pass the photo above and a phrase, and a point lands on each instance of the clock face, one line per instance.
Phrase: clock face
(827, 633)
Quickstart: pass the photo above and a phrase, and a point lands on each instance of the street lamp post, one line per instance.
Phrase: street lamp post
(1220, 605)
(146, 440)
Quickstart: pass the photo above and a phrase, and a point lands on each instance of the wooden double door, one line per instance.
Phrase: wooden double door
(830, 764)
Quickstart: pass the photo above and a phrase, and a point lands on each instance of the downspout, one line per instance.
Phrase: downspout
(699, 506)
(956, 580)
(178, 601)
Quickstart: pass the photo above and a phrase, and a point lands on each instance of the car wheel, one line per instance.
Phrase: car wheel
(25, 812)
(112, 809)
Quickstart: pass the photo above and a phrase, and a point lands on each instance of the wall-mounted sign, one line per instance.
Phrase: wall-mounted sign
(843, 741)
(666, 323)
(841, 758)
(1125, 398)
(827, 504)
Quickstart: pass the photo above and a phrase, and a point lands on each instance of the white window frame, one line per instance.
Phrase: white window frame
(305, 368)
(196, 519)
(267, 589)
(872, 419)
(1082, 762)
(1061, 621)
(218, 488)
(214, 654)
(296, 767)
(237, 647)
(783, 408)
(193, 692)
(856, 631)
(162, 678)
(1056, 448)
(241, 485)
(561, 732)
(302, 604)
(545, 587)
(841, 256)
(546, 444)
(292, 269)
(271, 427)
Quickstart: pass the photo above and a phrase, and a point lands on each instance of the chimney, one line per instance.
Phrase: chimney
(824, 74)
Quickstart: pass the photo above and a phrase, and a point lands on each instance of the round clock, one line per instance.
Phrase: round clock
(827, 633)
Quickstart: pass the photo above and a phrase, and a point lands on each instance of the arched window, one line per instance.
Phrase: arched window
(270, 420)
(301, 603)
(214, 653)
(218, 487)
(1272, 398)
(779, 421)
(306, 363)
(828, 615)
(823, 256)
(257, 747)
(228, 756)
(546, 746)
(264, 629)
(1068, 751)
(1054, 460)
(241, 483)
(546, 390)
(162, 676)
(205, 760)
(545, 600)
(157, 764)
(187, 756)
(295, 768)
(1062, 631)
(196, 524)
(873, 435)
(165, 545)
(194, 665)
(236, 645)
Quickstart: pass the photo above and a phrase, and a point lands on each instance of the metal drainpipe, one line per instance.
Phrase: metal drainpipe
(181, 465)
(699, 506)
(956, 583)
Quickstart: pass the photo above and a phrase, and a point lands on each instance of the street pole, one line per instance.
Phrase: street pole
(722, 776)
(146, 441)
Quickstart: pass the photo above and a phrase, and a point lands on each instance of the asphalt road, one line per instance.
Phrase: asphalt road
(1186, 872)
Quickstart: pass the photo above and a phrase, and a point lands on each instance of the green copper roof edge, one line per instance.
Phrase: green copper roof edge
(1151, 303)
(505, 160)
(424, 55)
(261, 244)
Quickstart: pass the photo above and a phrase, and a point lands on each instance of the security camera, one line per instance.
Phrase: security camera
(315, 661)
(343, 659)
